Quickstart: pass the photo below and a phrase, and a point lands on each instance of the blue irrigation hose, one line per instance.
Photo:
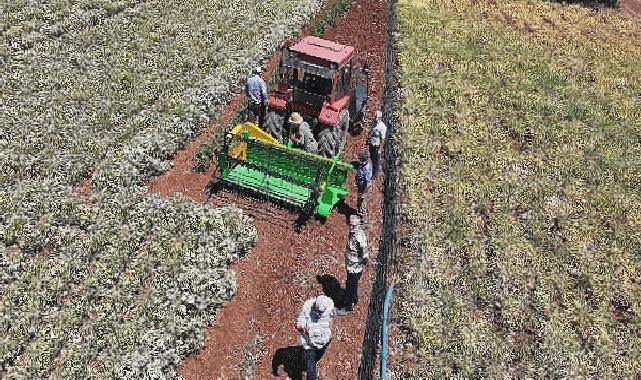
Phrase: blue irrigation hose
(388, 299)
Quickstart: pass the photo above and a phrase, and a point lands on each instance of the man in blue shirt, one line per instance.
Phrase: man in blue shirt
(256, 91)
(363, 183)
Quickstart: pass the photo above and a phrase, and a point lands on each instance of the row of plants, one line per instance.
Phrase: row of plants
(77, 105)
(519, 134)
(128, 296)
(117, 284)
(25, 24)
(338, 9)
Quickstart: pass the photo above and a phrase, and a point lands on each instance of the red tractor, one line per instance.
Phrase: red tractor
(318, 80)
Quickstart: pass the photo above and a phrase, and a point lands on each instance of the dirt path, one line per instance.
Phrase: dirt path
(632, 6)
(281, 271)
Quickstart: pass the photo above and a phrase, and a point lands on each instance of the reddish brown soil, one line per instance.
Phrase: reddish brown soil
(280, 272)
(632, 6)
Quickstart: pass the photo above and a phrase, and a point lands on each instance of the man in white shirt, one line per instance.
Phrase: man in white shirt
(376, 142)
(356, 257)
(314, 325)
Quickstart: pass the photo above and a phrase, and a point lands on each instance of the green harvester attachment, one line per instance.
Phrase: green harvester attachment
(254, 160)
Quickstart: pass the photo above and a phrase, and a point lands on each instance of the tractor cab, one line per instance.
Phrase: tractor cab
(318, 80)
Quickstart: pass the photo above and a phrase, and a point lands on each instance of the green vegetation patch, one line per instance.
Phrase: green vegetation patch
(521, 154)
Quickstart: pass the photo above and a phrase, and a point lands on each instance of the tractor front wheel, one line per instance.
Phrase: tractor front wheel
(274, 125)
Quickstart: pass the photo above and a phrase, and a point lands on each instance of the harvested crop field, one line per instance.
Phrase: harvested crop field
(521, 129)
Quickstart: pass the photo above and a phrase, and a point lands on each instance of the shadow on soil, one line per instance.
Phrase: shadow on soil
(332, 289)
(215, 187)
(291, 358)
(344, 209)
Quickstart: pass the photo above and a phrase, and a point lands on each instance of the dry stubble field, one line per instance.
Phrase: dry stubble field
(523, 223)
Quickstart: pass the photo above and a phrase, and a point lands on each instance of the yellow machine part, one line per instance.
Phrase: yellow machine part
(239, 151)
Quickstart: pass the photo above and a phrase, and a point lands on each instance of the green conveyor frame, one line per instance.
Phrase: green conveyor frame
(252, 159)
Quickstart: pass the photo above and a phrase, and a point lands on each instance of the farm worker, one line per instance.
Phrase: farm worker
(301, 133)
(356, 257)
(314, 326)
(376, 142)
(363, 183)
(256, 91)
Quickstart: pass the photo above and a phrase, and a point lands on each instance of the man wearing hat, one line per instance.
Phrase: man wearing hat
(256, 91)
(363, 183)
(301, 134)
(356, 257)
(314, 326)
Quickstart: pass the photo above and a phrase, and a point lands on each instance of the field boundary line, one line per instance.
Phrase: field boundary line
(388, 243)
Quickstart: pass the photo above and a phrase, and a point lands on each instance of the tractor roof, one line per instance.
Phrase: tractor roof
(328, 50)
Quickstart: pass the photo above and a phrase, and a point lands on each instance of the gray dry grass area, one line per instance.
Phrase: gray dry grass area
(254, 351)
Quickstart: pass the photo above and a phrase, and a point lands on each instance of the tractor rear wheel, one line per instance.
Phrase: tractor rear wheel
(341, 128)
(327, 142)
(274, 125)
(331, 140)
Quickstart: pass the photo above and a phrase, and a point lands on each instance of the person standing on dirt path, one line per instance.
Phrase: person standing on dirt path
(363, 183)
(314, 325)
(301, 134)
(376, 141)
(256, 91)
(356, 257)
